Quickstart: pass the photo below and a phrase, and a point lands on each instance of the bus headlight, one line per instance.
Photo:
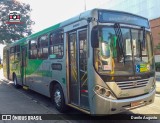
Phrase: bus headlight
(108, 93)
(103, 92)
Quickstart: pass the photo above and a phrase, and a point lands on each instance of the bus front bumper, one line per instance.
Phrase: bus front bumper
(104, 106)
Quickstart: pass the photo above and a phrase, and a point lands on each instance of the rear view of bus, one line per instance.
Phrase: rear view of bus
(122, 76)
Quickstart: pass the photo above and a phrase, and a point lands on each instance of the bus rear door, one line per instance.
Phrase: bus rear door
(23, 64)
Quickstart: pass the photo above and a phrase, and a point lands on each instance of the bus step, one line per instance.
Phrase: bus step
(25, 87)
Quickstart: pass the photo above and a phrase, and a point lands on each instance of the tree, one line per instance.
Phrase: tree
(13, 32)
(158, 46)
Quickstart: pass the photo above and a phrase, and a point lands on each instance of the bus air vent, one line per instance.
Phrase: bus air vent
(132, 84)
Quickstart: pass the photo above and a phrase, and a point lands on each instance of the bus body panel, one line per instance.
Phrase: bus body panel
(117, 106)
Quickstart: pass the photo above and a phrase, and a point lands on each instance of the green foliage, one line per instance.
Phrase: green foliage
(157, 65)
(12, 32)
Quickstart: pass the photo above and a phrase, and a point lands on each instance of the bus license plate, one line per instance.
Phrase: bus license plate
(133, 104)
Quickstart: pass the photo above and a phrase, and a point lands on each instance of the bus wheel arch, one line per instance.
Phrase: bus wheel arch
(57, 96)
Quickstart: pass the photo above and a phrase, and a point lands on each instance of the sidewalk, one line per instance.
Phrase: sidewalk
(158, 82)
(15, 102)
(1, 74)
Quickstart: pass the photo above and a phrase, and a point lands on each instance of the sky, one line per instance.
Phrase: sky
(46, 13)
(1, 50)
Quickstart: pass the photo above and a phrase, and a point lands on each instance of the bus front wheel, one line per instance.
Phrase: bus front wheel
(58, 98)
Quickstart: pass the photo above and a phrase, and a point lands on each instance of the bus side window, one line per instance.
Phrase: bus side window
(33, 49)
(43, 47)
(57, 44)
(17, 52)
(12, 51)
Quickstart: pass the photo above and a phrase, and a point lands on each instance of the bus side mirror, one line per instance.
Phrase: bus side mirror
(94, 38)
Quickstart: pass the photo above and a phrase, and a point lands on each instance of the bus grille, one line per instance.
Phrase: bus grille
(132, 84)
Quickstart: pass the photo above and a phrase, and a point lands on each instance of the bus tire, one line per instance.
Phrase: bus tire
(16, 85)
(58, 99)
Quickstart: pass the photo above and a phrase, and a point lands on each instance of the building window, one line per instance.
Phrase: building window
(43, 47)
(57, 44)
(33, 49)
(15, 53)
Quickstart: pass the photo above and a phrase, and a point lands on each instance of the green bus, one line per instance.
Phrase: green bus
(99, 62)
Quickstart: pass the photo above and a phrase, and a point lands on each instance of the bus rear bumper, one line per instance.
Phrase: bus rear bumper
(104, 106)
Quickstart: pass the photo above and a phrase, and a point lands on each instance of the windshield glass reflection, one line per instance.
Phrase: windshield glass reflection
(123, 53)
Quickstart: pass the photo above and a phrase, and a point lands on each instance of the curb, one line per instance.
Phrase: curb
(157, 91)
(157, 87)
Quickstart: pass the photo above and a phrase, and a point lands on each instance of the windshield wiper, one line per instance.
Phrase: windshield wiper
(119, 39)
(140, 43)
(144, 36)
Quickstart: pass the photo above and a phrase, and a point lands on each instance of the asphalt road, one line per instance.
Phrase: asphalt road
(19, 101)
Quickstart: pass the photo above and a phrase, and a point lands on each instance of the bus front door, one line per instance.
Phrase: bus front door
(78, 87)
(23, 64)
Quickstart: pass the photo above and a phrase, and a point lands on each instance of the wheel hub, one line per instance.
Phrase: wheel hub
(15, 82)
(57, 97)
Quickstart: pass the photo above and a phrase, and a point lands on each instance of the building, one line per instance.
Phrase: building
(155, 27)
(145, 8)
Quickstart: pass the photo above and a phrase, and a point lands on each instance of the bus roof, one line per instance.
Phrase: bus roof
(84, 15)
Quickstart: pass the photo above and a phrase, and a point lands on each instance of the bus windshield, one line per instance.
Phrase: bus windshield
(127, 52)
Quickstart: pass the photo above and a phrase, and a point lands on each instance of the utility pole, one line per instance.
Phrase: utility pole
(84, 5)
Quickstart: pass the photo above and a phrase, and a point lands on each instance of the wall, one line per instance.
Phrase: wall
(155, 28)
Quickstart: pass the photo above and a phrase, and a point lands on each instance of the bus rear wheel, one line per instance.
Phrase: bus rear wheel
(58, 98)
(16, 85)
